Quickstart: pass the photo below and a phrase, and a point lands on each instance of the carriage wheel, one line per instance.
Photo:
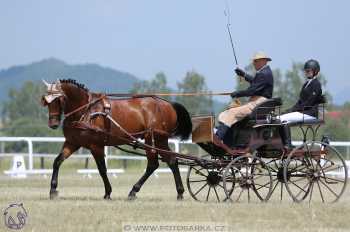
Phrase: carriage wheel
(276, 167)
(206, 184)
(317, 169)
(251, 175)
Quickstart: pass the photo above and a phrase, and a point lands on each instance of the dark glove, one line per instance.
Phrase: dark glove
(233, 94)
(240, 72)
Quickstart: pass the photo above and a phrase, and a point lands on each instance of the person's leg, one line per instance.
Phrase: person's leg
(229, 117)
(221, 130)
(286, 136)
(293, 117)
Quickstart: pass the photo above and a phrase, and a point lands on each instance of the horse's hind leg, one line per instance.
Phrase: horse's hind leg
(152, 165)
(66, 151)
(98, 154)
(173, 165)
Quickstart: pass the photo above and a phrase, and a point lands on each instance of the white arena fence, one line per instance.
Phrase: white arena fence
(23, 163)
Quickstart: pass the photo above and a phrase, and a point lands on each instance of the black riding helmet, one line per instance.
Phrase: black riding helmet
(313, 65)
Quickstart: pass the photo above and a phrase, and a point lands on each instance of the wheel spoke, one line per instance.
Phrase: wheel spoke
(281, 191)
(319, 188)
(262, 186)
(273, 189)
(300, 179)
(248, 194)
(216, 193)
(195, 181)
(312, 189)
(299, 170)
(198, 171)
(221, 186)
(329, 188)
(334, 179)
(298, 186)
(302, 190)
(201, 189)
(239, 196)
(208, 193)
(325, 170)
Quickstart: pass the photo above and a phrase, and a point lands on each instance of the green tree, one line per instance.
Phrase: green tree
(23, 115)
(156, 85)
(195, 83)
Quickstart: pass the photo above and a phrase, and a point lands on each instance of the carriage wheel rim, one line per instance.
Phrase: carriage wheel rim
(210, 185)
(228, 171)
(315, 181)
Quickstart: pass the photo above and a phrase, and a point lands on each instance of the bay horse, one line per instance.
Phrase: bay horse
(85, 125)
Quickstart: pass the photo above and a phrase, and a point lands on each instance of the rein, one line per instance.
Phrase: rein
(87, 105)
(141, 95)
(165, 94)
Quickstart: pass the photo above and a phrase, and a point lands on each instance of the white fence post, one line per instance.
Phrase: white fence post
(106, 155)
(30, 153)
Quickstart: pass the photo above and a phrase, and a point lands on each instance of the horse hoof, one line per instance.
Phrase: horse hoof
(132, 197)
(53, 194)
(180, 197)
(107, 197)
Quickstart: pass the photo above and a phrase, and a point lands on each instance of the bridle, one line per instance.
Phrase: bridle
(54, 91)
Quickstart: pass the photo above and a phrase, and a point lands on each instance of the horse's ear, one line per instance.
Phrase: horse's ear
(43, 101)
(45, 82)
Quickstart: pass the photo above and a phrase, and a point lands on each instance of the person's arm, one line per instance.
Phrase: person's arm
(246, 76)
(255, 87)
(313, 98)
(310, 101)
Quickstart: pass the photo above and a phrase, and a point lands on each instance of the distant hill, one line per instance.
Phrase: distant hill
(95, 77)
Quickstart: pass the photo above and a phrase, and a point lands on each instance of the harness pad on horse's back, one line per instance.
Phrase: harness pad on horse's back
(95, 122)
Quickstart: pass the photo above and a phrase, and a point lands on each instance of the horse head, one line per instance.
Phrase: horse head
(54, 99)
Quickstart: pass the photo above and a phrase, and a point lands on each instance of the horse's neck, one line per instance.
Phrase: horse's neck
(75, 99)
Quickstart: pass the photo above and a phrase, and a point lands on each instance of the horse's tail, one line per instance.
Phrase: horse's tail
(184, 122)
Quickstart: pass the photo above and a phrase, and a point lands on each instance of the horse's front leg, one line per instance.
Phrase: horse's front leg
(98, 154)
(66, 151)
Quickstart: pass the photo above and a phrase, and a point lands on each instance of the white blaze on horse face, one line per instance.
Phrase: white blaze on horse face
(54, 91)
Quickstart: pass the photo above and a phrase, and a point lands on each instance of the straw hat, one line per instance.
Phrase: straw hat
(261, 55)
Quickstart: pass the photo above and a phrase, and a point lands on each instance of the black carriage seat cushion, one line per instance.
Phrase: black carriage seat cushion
(265, 108)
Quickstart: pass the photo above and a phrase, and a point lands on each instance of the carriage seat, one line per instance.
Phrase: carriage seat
(263, 110)
(320, 118)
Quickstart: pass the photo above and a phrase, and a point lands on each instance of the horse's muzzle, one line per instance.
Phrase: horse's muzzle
(54, 122)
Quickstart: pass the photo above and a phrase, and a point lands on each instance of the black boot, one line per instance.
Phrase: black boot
(286, 137)
(221, 131)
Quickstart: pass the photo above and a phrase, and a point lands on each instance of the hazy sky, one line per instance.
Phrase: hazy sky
(145, 37)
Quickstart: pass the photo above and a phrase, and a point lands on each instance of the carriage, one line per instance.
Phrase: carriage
(252, 166)
(255, 163)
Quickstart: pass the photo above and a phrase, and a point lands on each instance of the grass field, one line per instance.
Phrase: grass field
(80, 207)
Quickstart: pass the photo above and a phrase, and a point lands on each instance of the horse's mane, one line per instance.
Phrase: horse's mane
(74, 82)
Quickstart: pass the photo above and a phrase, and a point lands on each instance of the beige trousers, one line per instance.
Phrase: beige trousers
(233, 115)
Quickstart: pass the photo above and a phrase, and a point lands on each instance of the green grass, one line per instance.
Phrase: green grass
(80, 207)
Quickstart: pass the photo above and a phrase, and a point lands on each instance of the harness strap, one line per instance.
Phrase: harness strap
(87, 105)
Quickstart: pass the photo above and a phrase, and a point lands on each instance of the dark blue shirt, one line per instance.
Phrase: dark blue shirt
(260, 85)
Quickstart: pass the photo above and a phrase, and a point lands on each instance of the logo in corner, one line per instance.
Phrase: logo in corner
(15, 216)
